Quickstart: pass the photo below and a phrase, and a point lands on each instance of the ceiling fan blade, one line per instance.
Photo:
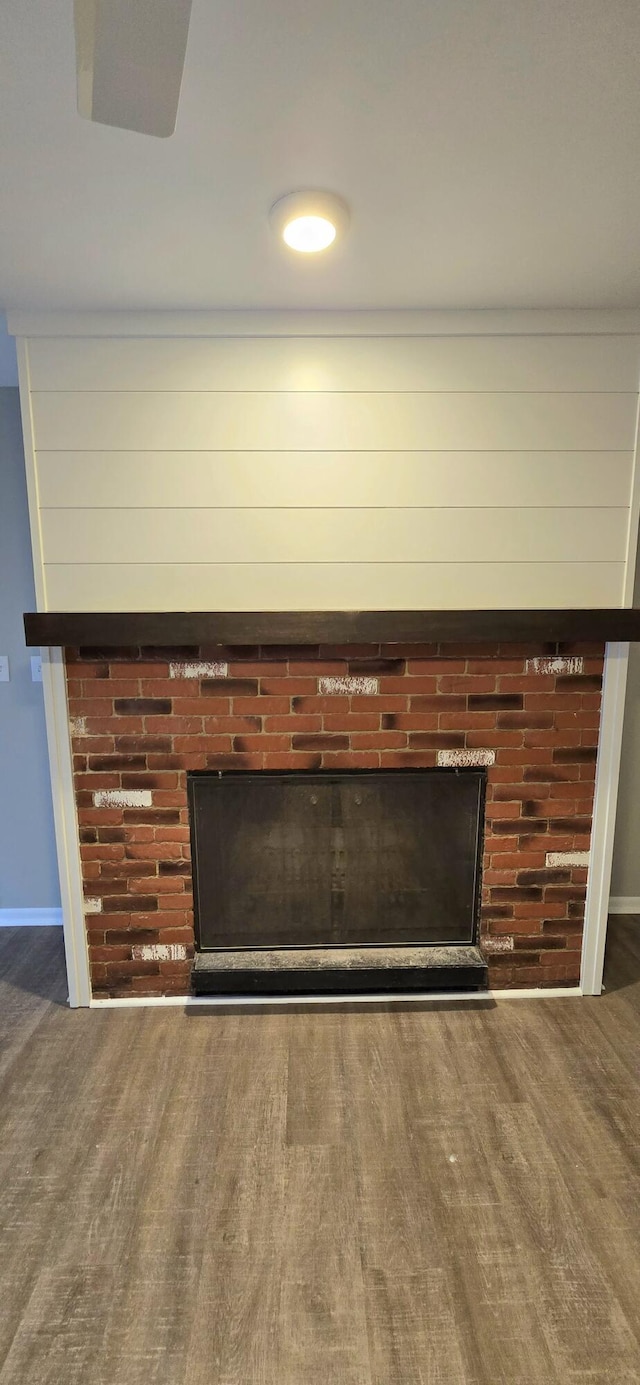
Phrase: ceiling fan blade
(130, 57)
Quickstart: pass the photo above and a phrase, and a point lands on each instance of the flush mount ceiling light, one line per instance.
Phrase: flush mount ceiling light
(309, 221)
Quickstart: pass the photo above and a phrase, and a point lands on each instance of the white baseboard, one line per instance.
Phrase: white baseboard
(30, 918)
(389, 998)
(624, 904)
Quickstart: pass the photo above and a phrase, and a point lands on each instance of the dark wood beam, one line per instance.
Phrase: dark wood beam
(129, 628)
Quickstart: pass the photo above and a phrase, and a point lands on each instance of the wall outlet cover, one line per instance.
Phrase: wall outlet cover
(36, 668)
(4, 668)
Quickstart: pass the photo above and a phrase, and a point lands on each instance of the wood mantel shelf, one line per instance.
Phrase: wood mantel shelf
(82, 629)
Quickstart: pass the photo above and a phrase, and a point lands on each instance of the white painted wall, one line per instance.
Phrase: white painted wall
(28, 870)
(379, 470)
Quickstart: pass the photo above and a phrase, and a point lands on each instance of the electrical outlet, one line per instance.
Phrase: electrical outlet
(36, 668)
(4, 668)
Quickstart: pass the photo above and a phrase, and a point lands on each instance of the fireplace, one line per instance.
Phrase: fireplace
(354, 858)
(358, 880)
(147, 722)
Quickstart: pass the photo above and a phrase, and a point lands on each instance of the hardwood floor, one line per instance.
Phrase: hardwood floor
(420, 1195)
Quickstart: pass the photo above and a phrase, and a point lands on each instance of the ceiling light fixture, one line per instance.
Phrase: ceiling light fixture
(309, 221)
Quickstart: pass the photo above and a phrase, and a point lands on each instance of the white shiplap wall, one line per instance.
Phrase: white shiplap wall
(302, 472)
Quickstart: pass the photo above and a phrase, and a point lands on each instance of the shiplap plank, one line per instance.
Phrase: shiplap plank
(309, 322)
(323, 421)
(333, 535)
(94, 480)
(339, 586)
(552, 363)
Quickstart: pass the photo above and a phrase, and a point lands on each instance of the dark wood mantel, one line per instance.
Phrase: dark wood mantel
(132, 628)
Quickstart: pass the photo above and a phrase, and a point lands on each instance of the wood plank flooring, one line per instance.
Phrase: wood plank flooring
(433, 1194)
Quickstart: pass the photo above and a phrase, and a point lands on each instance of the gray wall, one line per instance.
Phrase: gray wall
(28, 868)
(8, 362)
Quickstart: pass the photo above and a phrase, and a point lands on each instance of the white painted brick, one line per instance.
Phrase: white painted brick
(567, 858)
(122, 798)
(465, 759)
(93, 906)
(348, 683)
(158, 952)
(558, 663)
(78, 726)
(497, 944)
(203, 668)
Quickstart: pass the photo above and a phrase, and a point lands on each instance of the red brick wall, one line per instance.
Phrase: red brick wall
(138, 725)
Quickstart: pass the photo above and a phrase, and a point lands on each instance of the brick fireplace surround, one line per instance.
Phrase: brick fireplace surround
(141, 718)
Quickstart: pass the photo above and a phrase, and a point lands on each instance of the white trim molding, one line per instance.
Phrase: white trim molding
(388, 997)
(604, 817)
(66, 825)
(30, 918)
(624, 904)
(598, 903)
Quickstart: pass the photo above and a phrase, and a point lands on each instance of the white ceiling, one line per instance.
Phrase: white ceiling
(489, 150)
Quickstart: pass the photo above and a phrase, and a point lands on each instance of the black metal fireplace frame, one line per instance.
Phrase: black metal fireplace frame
(329, 775)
